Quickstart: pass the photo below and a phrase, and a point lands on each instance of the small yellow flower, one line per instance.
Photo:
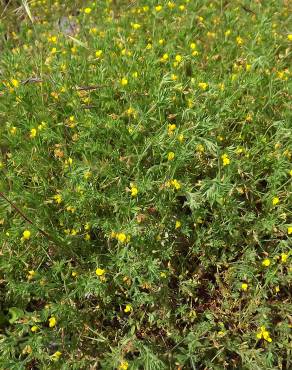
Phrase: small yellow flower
(171, 128)
(134, 191)
(227, 33)
(284, 257)
(289, 37)
(239, 40)
(87, 10)
(161, 41)
(175, 184)
(31, 274)
(171, 4)
(34, 329)
(58, 198)
(289, 230)
(26, 234)
(266, 262)
(163, 274)
(225, 159)
(244, 287)
(136, 26)
(74, 274)
(170, 156)
(174, 77)
(99, 272)
(15, 83)
(180, 138)
(164, 57)
(264, 334)
(193, 46)
(124, 365)
(87, 237)
(98, 53)
(121, 237)
(177, 224)
(55, 356)
(128, 308)
(203, 85)
(124, 81)
(33, 133)
(275, 201)
(52, 321)
(178, 58)
(158, 8)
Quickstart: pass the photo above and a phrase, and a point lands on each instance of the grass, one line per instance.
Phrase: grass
(145, 185)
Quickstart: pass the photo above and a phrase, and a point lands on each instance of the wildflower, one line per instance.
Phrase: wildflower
(277, 289)
(55, 356)
(135, 74)
(58, 198)
(200, 148)
(158, 8)
(171, 128)
(289, 37)
(174, 77)
(98, 53)
(244, 287)
(203, 85)
(26, 235)
(149, 46)
(264, 334)
(266, 262)
(128, 308)
(178, 58)
(275, 201)
(193, 46)
(124, 81)
(87, 237)
(52, 321)
(163, 274)
(173, 183)
(34, 328)
(136, 26)
(239, 40)
(182, 7)
(248, 67)
(13, 130)
(284, 257)
(170, 156)
(33, 133)
(177, 224)
(74, 274)
(161, 41)
(87, 10)
(225, 159)
(289, 230)
(227, 33)
(134, 191)
(99, 272)
(124, 365)
(31, 274)
(171, 4)
(164, 57)
(121, 237)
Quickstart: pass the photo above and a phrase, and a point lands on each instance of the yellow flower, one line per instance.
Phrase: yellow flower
(13, 130)
(178, 58)
(99, 272)
(98, 53)
(275, 201)
(244, 287)
(34, 328)
(171, 128)
(135, 26)
(181, 7)
(225, 159)
(248, 67)
(289, 37)
(128, 308)
(135, 74)
(227, 33)
(266, 262)
(203, 85)
(52, 321)
(31, 274)
(163, 274)
(33, 133)
(174, 77)
(55, 356)
(289, 230)
(158, 8)
(170, 156)
(239, 40)
(26, 234)
(200, 148)
(177, 224)
(15, 83)
(161, 41)
(264, 334)
(284, 257)
(124, 365)
(58, 198)
(164, 57)
(171, 4)
(180, 138)
(87, 10)
(74, 274)
(121, 237)
(175, 184)
(124, 81)
(134, 191)
(87, 237)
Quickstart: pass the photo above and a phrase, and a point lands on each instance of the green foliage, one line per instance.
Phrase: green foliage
(145, 185)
